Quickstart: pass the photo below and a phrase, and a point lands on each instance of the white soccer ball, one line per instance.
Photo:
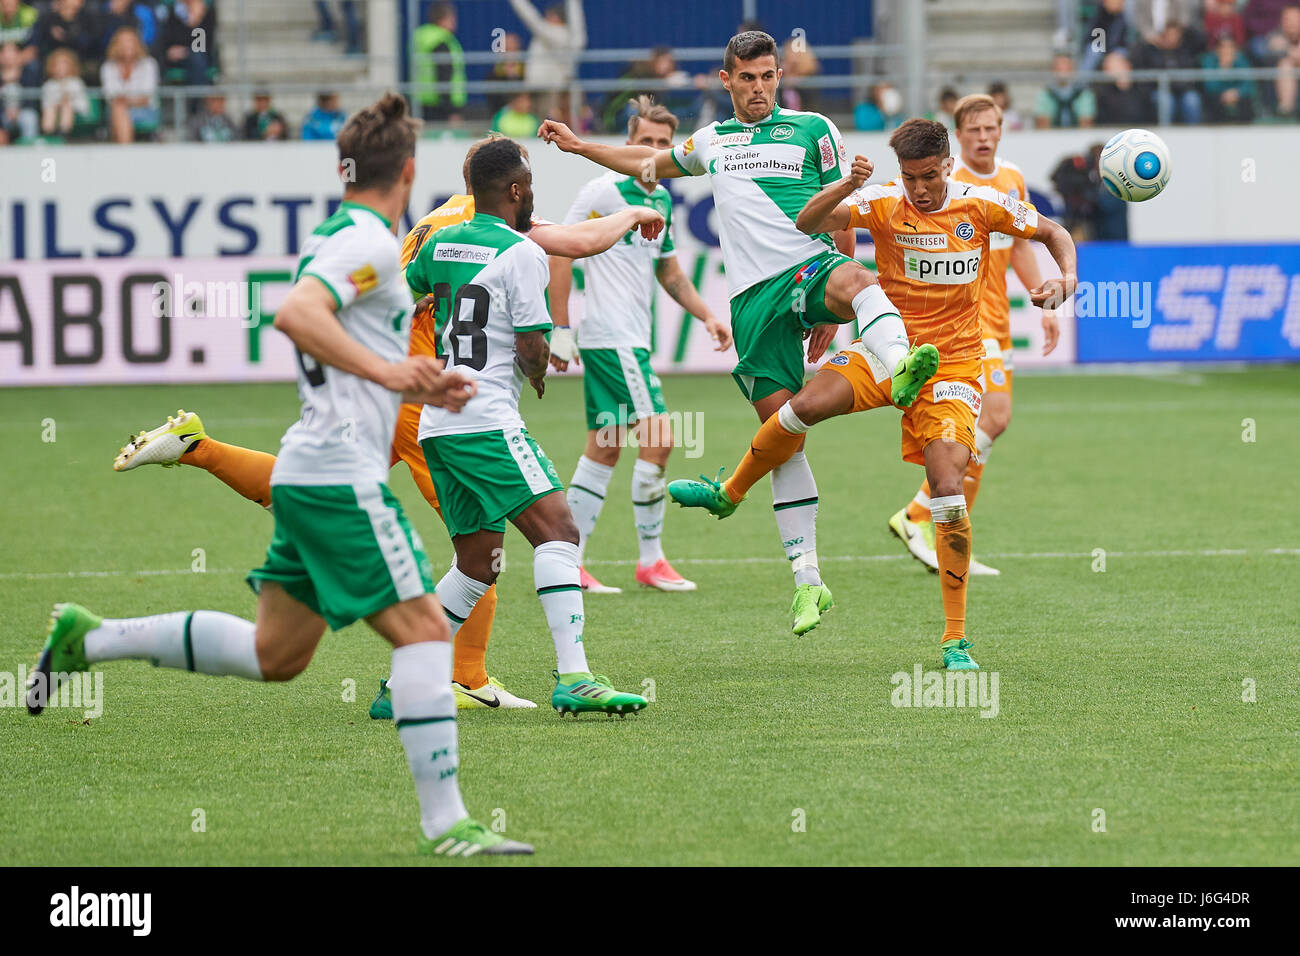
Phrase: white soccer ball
(1134, 165)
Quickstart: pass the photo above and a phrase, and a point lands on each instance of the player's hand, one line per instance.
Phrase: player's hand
(563, 348)
(819, 339)
(538, 384)
(861, 171)
(649, 222)
(417, 373)
(719, 332)
(424, 308)
(1051, 331)
(1052, 293)
(553, 131)
(454, 388)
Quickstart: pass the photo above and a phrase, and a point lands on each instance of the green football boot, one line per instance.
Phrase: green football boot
(471, 838)
(912, 373)
(707, 493)
(581, 693)
(64, 652)
(955, 656)
(381, 708)
(810, 601)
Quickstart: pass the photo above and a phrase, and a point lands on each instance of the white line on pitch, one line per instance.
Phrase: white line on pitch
(1202, 553)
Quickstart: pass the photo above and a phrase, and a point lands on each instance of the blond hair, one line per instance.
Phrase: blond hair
(645, 108)
(973, 105)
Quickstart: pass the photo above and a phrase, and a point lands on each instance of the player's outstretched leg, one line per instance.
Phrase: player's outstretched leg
(182, 440)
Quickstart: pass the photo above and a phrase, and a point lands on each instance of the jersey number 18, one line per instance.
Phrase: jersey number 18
(467, 336)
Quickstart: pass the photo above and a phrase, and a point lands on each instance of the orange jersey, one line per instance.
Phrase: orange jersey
(459, 208)
(929, 263)
(995, 307)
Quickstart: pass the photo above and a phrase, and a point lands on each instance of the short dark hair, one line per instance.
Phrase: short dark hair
(920, 139)
(749, 46)
(494, 165)
(378, 140)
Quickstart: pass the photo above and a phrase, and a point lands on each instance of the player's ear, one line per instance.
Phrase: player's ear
(725, 79)
(947, 167)
(408, 171)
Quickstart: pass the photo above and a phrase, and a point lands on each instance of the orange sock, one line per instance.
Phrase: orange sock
(952, 547)
(469, 652)
(920, 510)
(970, 482)
(771, 447)
(245, 470)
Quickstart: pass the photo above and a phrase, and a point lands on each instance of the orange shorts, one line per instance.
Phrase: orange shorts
(406, 447)
(945, 410)
(997, 365)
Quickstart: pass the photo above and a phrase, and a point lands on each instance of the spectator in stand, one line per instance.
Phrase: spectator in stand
(1079, 184)
(1228, 100)
(325, 121)
(1109, 220)
(1011, 118)
(187, 42)
(211, 124)
(1221, 16)
(882, 109)
(438, 36)
(1152, 17)
(129, 77)
(1173, 49)
(63, 94)
(263, 122)
(798, 62)
(1121, 102)
(351, 22)
(552, 62)
(947, 104)
(1110, 31)
(1283, 49)
(18, 28)
(516, 119)
(17, 120)
(1067, 102)
(506, 71)
(129, 13)
(67, 25)
(682, 99)
(1261, 18)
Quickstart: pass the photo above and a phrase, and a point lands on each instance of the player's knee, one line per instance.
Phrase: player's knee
(994, 421)
(604, 450)
(946, 486)
(808, 407)
(278, 664)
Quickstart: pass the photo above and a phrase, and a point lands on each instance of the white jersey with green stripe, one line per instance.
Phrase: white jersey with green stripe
(490, 284)
(345, 433)
(619, 283)
(762, 174)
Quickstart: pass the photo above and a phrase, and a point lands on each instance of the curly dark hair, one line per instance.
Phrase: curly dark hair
(920, 139)
(494, 166)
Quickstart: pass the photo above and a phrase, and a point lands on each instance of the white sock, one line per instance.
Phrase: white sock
(209, 642)
(424, 709)
(555, 575)
(458, 593)
(881, 327)
(983, 446)
(794, 500)
(648, 506)
(790, 421)
(586, 494)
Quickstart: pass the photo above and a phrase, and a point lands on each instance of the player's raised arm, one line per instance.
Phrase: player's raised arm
(644, 161)
(594, 236)
(826, 211)
(1053, 293)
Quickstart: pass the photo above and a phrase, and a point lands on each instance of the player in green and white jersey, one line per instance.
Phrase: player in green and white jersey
(489, 282)
(342, 549)
(621, 389)
(763, 164)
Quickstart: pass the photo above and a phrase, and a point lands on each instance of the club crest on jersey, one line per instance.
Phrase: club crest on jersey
(808, 271)
(964, 231)
(839, 359)
(782, 132)
(364, 279)
(999, 377)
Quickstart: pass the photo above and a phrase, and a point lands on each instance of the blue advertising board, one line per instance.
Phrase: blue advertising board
(1188, 303)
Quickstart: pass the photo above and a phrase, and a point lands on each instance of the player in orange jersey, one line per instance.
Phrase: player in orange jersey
(930, 234)
(979, 128)
(182, 439)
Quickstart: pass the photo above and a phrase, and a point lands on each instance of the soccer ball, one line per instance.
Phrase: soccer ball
(1134, 165)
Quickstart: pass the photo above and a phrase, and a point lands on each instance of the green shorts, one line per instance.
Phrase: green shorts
(620, 387)
(484, 479)
(768, 321)
(345, 551)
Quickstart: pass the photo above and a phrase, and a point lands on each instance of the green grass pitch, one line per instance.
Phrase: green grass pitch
(1120, 691)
